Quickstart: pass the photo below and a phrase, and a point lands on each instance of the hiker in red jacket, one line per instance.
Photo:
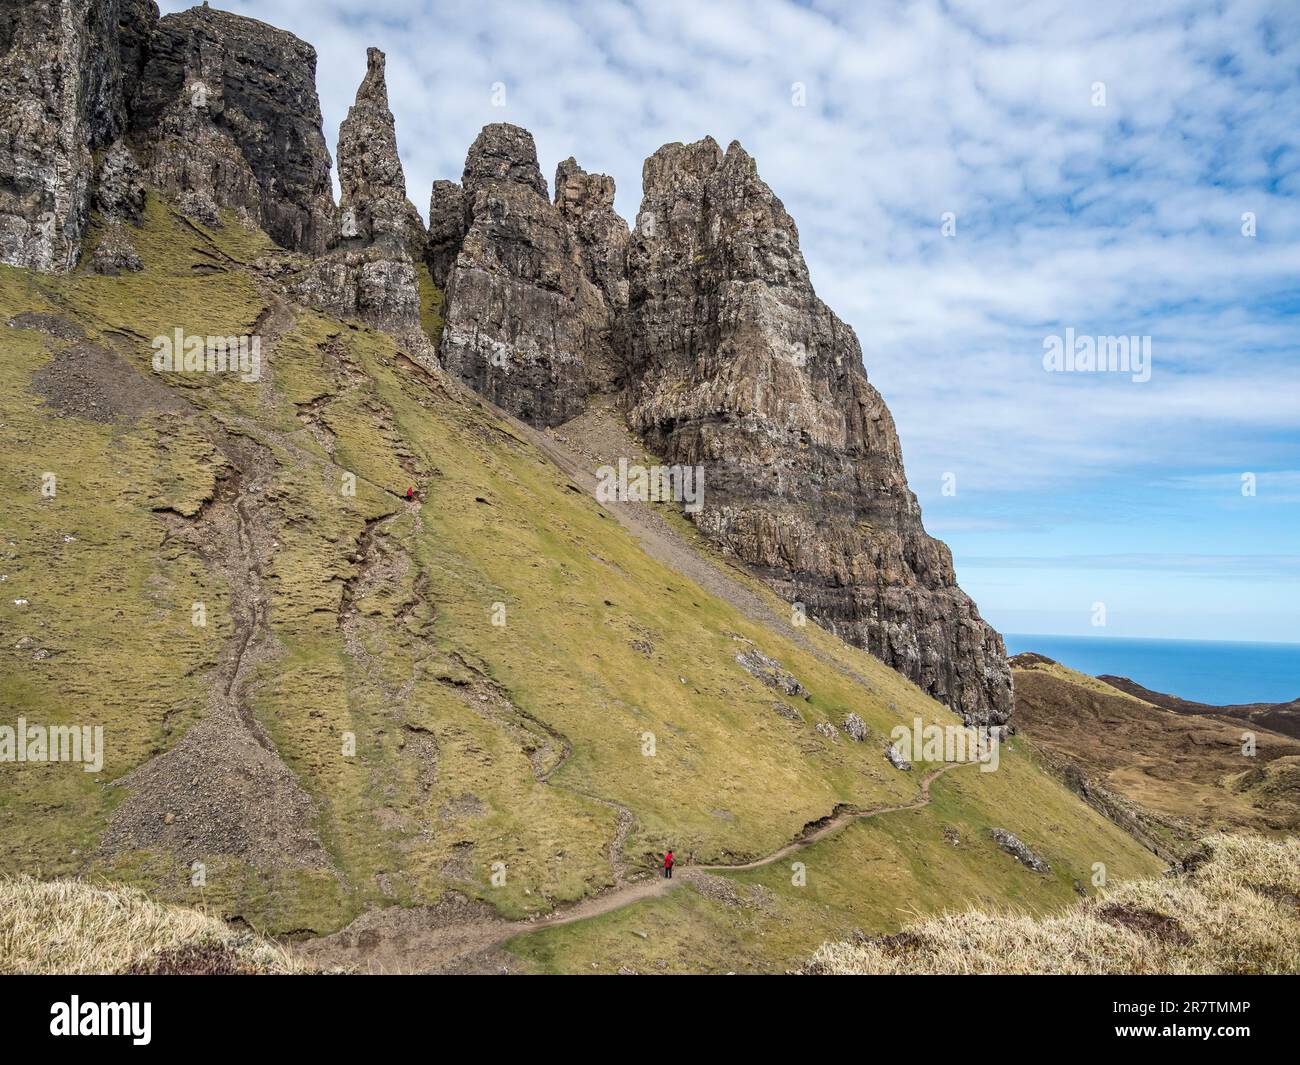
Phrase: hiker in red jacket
(668, 865)
(410, 495)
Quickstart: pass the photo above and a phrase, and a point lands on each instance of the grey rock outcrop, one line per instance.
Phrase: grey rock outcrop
(120, 198)
(1013, 845)
(369, 271)
(120, 186)
(525, 323)
(735, 365)
(895, 758)
(771, 672)
(226, 115)
(586, 202)
(855, 728)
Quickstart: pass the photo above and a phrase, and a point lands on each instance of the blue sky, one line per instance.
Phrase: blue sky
(1117, 212)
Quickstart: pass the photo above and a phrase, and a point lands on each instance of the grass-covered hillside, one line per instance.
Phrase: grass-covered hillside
(496, 693)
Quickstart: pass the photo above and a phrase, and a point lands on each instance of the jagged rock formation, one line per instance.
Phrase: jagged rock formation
(373, 207)
(704, 320)
(525, 322)
(587, 203)
(119, 197)
(369, 272)
(737, 366)
(227, 115)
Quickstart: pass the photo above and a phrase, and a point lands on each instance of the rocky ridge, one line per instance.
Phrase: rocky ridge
(526, 322)
(736, 366)
(703, 320)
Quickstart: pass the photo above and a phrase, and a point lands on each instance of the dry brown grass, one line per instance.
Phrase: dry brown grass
(1238, 912)
(71, 927)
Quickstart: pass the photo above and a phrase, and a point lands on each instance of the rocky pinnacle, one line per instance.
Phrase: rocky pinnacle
(735, 365)
(373, 206)
(369, 269)
(526, 321)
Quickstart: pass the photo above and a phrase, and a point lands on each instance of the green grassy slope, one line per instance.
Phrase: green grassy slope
(476, 743)
(875, 875)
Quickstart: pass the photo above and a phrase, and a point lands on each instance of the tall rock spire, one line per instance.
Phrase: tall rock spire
(736, 365)
(373, 206)
(369, 271)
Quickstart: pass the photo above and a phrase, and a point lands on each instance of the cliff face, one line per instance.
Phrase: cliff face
(226, 115)
(525, 323)
(735, 365)
(586, 202)
(66, 74)
(219, 110)
(703, 320)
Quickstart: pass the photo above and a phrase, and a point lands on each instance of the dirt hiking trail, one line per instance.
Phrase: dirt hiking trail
(460, 936)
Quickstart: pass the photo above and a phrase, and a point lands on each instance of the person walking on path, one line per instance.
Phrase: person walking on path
(668, 865)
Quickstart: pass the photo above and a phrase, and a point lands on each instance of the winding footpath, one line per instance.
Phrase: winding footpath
(404, 941)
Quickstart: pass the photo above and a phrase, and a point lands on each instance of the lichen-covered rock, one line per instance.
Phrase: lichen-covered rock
(587, 203)
(502, 153)
(120, 186)
(771, 672)
(855, 728)
(115, 253)
(369, 270)
(828, 730)
(735, 365)
(366, 284)
(895, 758)
(120, 199)
(524, 323)
(226, 114)
(64, 79)
(1012, 844)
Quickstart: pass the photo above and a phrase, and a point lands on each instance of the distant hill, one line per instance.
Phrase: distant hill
(1169, 776)
(1279, 717)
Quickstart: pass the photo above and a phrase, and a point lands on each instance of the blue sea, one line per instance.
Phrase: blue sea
(1204, 671)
